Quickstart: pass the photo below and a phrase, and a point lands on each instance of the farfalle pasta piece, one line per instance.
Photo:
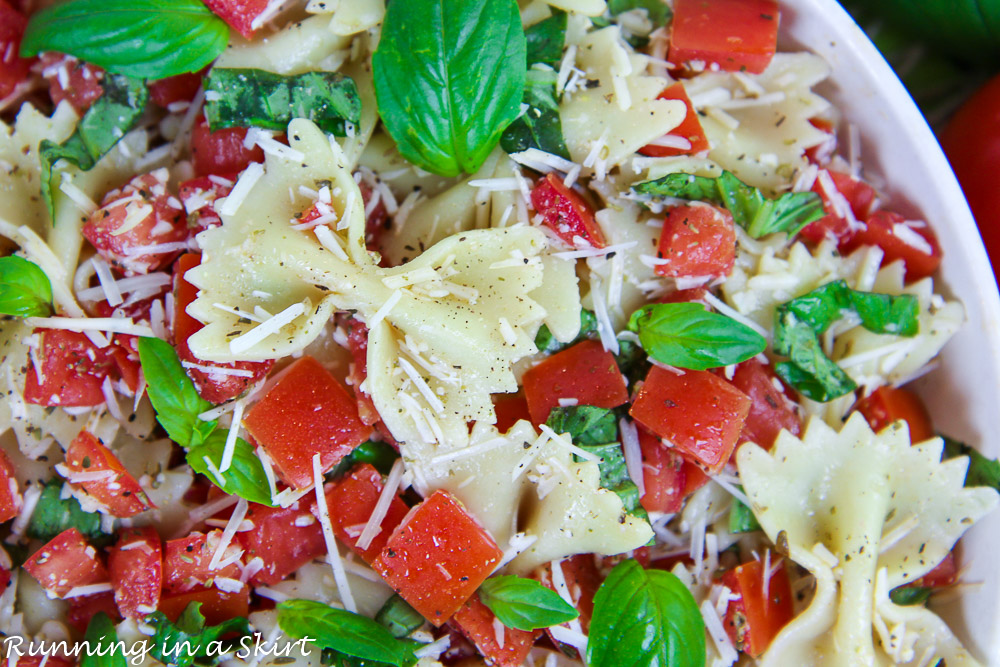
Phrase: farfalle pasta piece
(849, 505)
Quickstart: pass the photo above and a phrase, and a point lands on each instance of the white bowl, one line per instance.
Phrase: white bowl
(963, 395)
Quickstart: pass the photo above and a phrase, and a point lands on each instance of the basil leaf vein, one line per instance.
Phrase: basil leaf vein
(524, 604)
(341, 630)
(25, 290)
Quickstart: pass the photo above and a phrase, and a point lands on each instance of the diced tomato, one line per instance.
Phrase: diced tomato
(771, 409)
(357, 343)
(684, 295)
(213, 387)
(5, 579)
(186, 562)
(10, 496)
(179, 88)
(669, 478)
(887, 405)
(756, 617)
(285, 539)
(28, 660)
(565, 212)
(306, 412)
(216, 606)
(125, 353)
(582, 577)
(697, 240)
(859, 196)
(916, 245)
(199, 196)
(438, 557)
(13, 68)
(222, 151)
(351, 501)
(135, 564)
(821, 153)
(120, 233)
(66, 562)
(377, 221)
(475, 621)
(585, 371)
(71, 80)
(736, 35)
(510, 409)
(700, 413)
(70, 370)
(690, 128)
(944, 574)
(85, 607)
(118, 492)
(239, 14)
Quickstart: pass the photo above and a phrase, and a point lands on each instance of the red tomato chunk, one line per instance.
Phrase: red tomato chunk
(757, 616)
(475, 621)
(239, 14)
(585, 371)
(199, 196)
(85, 607)
(71, 80)
(689, 130)
(438, 557)
(887, 405)
(944, 574)
(186, 562)
(771, 409)
(582, 581)
(697, 240)
(222, 151)
(118, 491)
(173, 89)
(699, 413)
(915, 244)
(66, 562)
(858, 195)
(284, 539)
(307, 412)
(69, 372)
(13, 68)
(357, 343)
(217, 606)
(10, 495)
(135, 564)
(736, 35)
(669, 478)
(565, 212)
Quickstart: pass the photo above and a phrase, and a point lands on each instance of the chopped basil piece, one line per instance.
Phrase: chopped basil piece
(245, 476)
(398, 617)
(741, 517)
(585, 424)
(632, 361)
(25, 290)
(546, 342)
(379, 454)
(54, 514)
(102, 639)
(657, 10)
(982, 471)
(909, 595)
(187, 641)
(524, 604)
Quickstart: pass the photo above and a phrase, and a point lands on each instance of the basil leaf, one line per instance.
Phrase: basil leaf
(524, 604)
(540, 125)
(687, 335)
(101, 639)
(657, 10)
(245, 476)
(632, 361)
(255, 98)
(54, 514)
(398, 617)
(741, 517)
(172, 394)
(341, 630)
(546, 342)
(147, 39)
(377, 453)
(105, 123)
(586, 424)
(906, 596)
(434, 61)
(25, 290)
(187, 641)
(750, 209)
(809, 370)
(645, 618)
(982, 471)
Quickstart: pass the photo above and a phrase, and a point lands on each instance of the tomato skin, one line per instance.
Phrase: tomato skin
(771, 410)
(585, 371)
(65, 562)
(669, 478)
(85, 607)
(216, 606)
(565, 212)
(757, 617)
(10, 496)
(437, 557)
(279, 542)
(214, 388)
(165, 223)
(120, 493)
(239, 14)
(73, 369)
(886, 405)
(136, 571)
(13, 68)
(697, 240)
(971, 140)
(351, 501)
(71, 80)
(179, 88)
(510, 409)
(690, 128)
(186, 562)
(944, 574)
(699, 413)
(859, 195)
(475, 621)
(736, 35)
(879, 232)
(357, 343)
(199, 196)
(308, 411)
(222, 151)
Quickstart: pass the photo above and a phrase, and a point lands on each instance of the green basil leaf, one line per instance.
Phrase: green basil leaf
(741, 517)
(398, 617)
(341, 630)
(147, 39)
(586, 424)
(657, 10)
(102, 126)
(25, 290)
(614, 472)
(809, 370)
(101, 639)
(244, 478)
(687, 335)
(750, 209)
(187, 641)
(632, 361)
(545, 41)
(645, 618)
(54, 514)
(255, 98)
(906, 596)
(524, 604)
(172, 394)
(434, 61)
(982, 471)
(546, 342)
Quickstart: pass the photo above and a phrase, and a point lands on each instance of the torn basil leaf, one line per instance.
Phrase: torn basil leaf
(983, 471)
(585, 424)
(657, 10)
(25, 290)
(53, 514)
(546, 342)
(188, 641)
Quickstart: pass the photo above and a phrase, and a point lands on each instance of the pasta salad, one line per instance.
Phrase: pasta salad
(459, 332)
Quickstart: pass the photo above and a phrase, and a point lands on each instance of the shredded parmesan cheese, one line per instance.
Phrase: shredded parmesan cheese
(332, 553)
